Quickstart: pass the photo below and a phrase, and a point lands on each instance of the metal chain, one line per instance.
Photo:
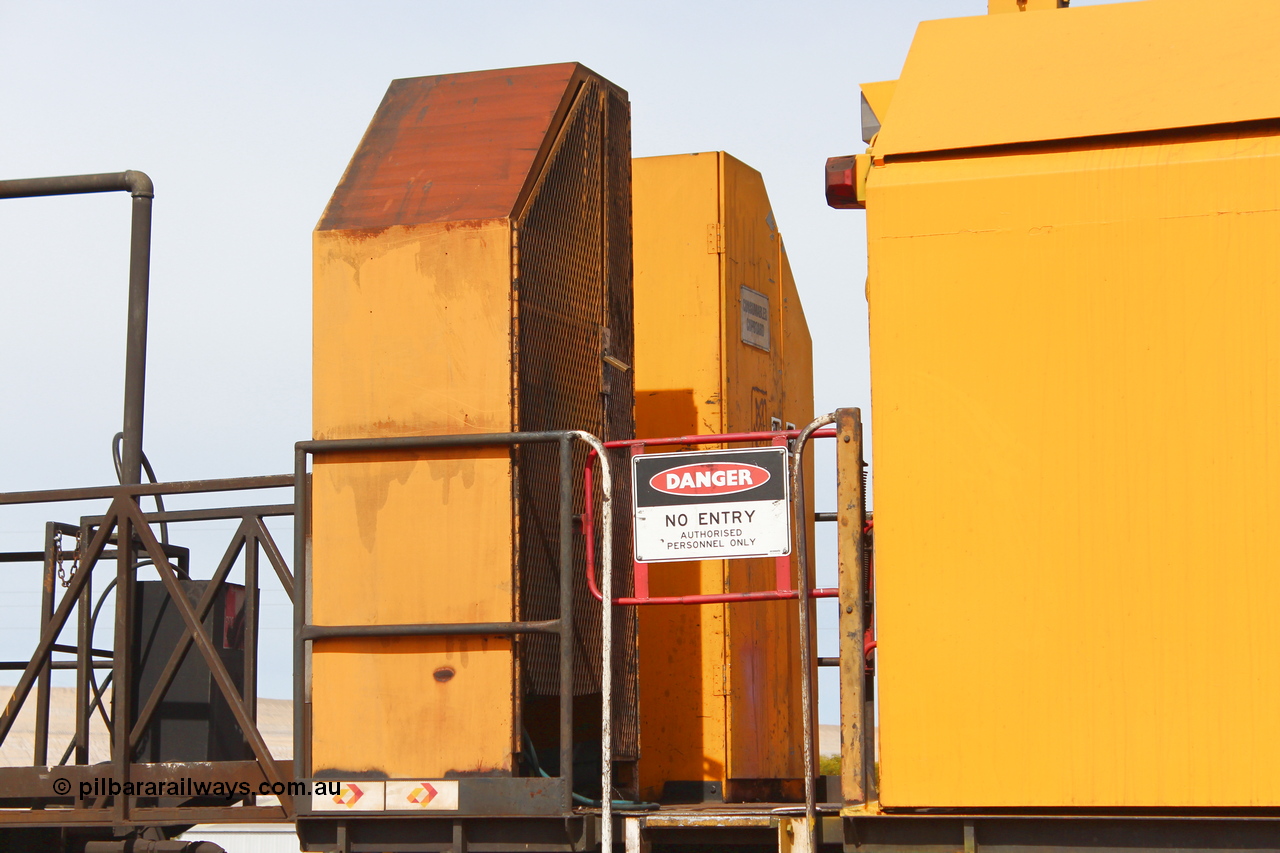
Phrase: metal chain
(75, 561)
(64, 577)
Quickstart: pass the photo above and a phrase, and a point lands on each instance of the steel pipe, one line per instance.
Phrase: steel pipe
(806, 629)
(139, 186)
(330, 632)
(181, 487)
(418, 442)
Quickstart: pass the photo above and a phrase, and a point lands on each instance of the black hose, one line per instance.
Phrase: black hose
(116, 441)
(116, 461)
(93, 681)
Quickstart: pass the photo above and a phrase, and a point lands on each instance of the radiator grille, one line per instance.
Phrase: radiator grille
(574, 307)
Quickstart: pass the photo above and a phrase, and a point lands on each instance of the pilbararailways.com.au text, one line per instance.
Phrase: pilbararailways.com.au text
(105, 786)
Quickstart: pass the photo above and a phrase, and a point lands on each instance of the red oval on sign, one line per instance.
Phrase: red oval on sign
(709, 478)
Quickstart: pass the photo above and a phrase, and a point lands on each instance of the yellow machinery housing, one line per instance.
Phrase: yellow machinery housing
(1073, 220)
(719, 683)
(472, 275)
(429, 320)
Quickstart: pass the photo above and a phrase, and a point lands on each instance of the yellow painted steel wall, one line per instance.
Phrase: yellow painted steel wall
(719, 683)
(416, 275)
(1076, 386)
(413, 327)
(678, 301)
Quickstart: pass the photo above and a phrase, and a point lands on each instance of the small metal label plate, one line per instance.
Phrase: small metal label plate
(754, 308)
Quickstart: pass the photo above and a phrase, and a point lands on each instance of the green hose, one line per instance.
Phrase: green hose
(630, 805)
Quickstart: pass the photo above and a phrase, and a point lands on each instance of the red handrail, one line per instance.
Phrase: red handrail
(717, 438)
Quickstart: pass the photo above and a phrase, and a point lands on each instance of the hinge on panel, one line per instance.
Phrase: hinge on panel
(715, 238)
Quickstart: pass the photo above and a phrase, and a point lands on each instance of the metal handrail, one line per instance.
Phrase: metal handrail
(818, 428)
(806, 632)
(563, 626)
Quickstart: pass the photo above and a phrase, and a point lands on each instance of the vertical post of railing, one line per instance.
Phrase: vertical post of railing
(135, 366)
(640, 571)
(781, 565)
(251, 600)
(565, 446)
(122, 692)
(46, 674)
(851, 519)
(606, 643)
(301, 685)
(803, 585)
(84, 659)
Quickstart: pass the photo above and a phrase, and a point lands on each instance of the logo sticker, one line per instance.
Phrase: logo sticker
(348, 796)
(430, 794)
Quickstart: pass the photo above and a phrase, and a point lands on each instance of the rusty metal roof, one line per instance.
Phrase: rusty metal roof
(453, 147)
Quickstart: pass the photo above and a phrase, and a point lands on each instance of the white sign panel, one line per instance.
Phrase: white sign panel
(714, 504)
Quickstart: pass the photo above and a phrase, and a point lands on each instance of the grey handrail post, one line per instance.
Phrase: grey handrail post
(806, 628)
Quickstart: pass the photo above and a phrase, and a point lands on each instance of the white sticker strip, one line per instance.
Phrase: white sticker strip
(430, 794)
(348, 797)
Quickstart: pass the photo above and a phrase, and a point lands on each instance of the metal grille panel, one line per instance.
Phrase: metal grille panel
(574, 307)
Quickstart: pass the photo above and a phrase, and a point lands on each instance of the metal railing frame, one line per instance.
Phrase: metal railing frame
(848, 424)
(562, 626)
(135, 542)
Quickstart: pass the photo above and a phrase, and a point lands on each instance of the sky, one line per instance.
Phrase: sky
(245, 115)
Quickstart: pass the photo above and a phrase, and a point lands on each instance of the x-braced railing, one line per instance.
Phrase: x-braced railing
(126, 525)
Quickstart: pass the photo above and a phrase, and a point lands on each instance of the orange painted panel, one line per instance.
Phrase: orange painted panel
(404, 707)
(412, 337)
(764, 714)
(677, 322)
(719, 683)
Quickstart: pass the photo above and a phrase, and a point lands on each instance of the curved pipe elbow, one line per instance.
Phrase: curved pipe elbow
(139, 184)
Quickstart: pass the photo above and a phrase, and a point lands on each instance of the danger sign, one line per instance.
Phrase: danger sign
(711, 504)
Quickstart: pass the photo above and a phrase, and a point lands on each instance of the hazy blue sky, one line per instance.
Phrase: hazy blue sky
(245, 115)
